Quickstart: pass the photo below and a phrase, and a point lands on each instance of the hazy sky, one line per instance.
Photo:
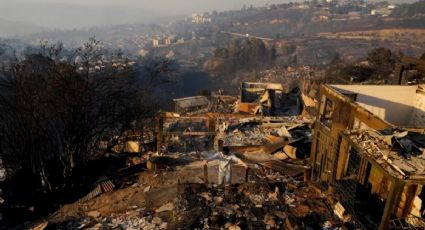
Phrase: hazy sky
(81, 13)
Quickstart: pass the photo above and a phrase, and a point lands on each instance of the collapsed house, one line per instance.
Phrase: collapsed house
(185, 133)
(368, 151)
(259, 116)
(269, 99)
(278, 143)
(190, 104)
(212, 131)
(202, 104)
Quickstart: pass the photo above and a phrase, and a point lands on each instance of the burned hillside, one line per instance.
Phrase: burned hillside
(223, 115)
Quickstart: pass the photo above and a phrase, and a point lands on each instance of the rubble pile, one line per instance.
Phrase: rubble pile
(184, 126)
(178, 194)
(281, 203)
(269, 200)
(249, 133)
(148, 136)
(392, 152)
(257, 132)
(134, 218)
(179, 144)
(224, 104)
(177, 135)
(215, 103)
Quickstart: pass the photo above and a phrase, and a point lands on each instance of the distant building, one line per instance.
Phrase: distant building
(384, 11)
(354, 15)
(156, 42)
(170, 40)
(180, 40)
(301, 6)
(321, 15)
(200, 19)
(391, 7)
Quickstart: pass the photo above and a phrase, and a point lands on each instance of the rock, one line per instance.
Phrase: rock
(93, 214)
(166, 207)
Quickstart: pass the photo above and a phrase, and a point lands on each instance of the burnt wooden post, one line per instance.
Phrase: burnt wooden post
(231, 174)
(307, 175)
(159, 135)
(206, 174)
(392, 199)
(400, 73)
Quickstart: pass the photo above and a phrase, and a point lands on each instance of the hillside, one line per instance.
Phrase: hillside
(12, 28)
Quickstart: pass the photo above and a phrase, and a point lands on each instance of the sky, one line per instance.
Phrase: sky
(68, 14)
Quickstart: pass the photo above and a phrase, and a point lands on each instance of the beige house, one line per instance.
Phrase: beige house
(367, 152)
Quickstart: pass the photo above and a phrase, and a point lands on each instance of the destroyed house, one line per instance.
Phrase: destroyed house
(180, 134)
(269, 99)
(189, 104)
(368, 152)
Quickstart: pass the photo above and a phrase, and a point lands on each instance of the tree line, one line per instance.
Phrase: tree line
(53, 114)
(241, 54)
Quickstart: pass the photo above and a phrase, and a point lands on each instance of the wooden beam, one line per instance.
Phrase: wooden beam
(160, 127)
(392, 199)
(343, 157)
(186, 118)
(189, 133)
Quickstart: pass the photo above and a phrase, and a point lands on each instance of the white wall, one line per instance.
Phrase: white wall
(392, 103)
(418, 115)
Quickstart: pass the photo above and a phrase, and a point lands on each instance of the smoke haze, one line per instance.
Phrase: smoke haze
(69, 14)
